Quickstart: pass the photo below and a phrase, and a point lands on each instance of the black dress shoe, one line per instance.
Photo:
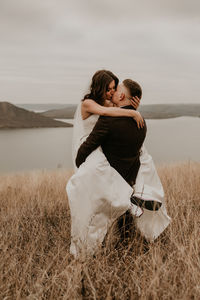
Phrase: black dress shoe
(150, 205)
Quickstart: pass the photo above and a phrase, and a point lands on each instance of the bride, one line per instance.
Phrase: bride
(97, 194)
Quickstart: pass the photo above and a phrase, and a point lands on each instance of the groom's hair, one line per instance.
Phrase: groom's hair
(133, 87)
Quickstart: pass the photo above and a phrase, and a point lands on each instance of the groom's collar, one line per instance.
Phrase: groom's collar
(128, 107)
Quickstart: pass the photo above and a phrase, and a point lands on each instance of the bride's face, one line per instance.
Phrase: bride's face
(110, 91)
(117, 95)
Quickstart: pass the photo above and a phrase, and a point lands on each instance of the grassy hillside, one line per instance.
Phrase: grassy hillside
(35, 235)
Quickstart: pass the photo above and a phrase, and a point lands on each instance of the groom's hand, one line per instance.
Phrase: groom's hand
(96, 138)
(135, 102)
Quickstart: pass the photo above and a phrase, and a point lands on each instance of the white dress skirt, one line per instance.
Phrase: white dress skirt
(98, 195)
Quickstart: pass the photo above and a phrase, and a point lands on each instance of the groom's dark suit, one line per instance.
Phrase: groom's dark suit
(121, 140)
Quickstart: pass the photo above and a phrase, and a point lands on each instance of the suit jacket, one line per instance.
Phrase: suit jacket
(121, 140)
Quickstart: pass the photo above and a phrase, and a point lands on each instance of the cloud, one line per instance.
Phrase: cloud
(57, 41)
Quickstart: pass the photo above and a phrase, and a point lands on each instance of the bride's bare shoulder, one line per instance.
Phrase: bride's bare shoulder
(86, 108)
(87, 103)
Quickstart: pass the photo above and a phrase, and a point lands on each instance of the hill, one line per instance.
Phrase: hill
(41, 106)
(151, 111)
(12, 116)
(62, 113)
(165, 111)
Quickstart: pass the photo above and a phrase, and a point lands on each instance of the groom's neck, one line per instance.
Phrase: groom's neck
(125, 102)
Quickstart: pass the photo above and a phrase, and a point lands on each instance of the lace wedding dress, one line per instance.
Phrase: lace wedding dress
(98, 195)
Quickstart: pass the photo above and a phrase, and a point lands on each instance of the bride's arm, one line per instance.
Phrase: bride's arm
(92, 107)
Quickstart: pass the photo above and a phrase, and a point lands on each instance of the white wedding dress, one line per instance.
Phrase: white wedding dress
(98, 195)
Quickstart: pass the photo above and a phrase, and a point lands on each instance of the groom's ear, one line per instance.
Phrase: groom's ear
(122, 96)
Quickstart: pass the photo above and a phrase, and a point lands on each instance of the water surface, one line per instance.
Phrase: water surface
(169, 140)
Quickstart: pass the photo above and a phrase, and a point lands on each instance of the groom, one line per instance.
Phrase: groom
(120, 138)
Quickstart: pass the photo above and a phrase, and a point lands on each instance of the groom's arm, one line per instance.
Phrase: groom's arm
(94, 140)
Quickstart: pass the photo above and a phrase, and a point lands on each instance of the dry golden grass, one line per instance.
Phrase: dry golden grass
(35, 235)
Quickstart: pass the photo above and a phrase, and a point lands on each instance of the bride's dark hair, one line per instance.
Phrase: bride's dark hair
(99, 85)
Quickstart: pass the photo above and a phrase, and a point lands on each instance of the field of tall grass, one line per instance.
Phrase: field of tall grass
(35, 236)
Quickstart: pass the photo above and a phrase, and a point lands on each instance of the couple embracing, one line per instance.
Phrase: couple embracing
(114, 174)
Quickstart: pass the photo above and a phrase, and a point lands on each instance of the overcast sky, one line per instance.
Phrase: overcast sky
(49, 49)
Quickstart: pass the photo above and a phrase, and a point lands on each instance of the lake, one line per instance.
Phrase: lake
(168, 140)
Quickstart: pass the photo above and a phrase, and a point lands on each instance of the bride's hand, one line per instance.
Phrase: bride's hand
(138, 118)
(135, 102)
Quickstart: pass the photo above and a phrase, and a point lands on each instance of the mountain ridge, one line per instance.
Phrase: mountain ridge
(12, 116)
(149, 111)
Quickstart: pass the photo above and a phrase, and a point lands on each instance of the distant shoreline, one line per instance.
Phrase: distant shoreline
(69, 123)
(14, 117)
(153, 111)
